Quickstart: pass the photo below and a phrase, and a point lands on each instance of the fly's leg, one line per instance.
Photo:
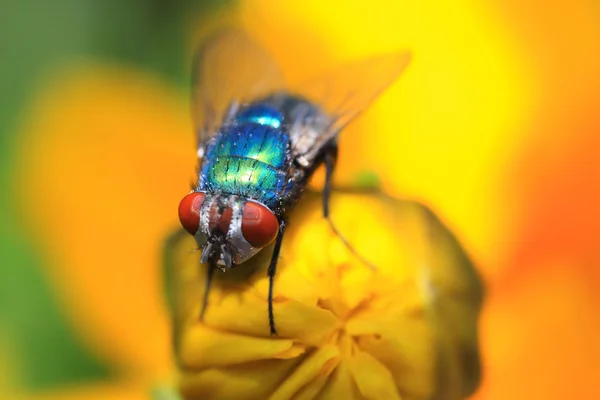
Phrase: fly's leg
(330, 160)
(271, 274)
(209, 274)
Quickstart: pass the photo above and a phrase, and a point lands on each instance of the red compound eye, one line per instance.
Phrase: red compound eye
(259, 224)
(189, 211)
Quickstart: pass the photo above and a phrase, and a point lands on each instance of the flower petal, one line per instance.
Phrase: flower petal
(393, 342)
(373, 379)
(255, 380)
(317, 365)
(202, 347)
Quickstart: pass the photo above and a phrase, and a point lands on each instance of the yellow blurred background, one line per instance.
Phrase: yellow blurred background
(495, 125)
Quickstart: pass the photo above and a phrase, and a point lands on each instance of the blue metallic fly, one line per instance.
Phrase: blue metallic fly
(259, 141)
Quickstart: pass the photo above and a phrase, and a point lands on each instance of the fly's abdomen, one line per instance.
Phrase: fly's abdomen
(248, 159)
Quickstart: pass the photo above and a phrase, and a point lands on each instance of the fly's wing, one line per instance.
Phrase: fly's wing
(229, 69)
(343, 93)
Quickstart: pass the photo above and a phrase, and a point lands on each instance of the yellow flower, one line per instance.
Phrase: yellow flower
(404, 331)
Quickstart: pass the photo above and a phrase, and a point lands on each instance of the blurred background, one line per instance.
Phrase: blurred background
(495, 125)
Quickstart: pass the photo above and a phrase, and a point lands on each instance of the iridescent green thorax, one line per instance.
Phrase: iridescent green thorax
(248, 159)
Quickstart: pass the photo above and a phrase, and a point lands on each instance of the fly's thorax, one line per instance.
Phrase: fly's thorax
(229, 229)
(250, 157)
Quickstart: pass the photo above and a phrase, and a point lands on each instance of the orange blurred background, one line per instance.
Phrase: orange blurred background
(495, 125)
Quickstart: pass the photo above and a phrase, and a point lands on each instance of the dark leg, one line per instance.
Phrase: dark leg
(209, 274)
(271, 274)
(330, 160)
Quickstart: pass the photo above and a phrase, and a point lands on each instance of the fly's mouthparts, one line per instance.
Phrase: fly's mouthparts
(206, 252)
(221, 255)
(226, 255)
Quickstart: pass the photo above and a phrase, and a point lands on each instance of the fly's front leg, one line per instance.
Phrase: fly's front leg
(209, 275)
(330, 159)
(271, 273)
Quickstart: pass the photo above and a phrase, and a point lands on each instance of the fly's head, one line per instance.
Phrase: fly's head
(229, 229)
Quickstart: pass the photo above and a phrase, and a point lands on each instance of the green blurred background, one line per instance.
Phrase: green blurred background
(36, 39)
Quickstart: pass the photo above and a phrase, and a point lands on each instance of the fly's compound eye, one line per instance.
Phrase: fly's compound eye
(189, 211)
(259, 225)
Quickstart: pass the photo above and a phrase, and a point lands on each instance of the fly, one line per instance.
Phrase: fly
(260, 139)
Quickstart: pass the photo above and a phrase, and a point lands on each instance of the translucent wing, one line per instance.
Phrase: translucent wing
(229, 69)
(346, 91)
